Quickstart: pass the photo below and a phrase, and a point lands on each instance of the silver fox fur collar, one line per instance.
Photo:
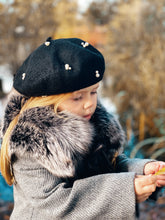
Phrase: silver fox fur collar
(63, 143)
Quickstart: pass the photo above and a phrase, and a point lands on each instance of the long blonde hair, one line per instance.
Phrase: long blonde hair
(5, 162)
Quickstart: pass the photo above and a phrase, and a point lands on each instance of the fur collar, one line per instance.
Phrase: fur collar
(61, 142)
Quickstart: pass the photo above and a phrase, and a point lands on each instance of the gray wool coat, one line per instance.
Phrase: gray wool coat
(63, 169)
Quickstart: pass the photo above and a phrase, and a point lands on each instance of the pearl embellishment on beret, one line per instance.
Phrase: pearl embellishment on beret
(47, 43)
(67, 67)
(59, 66)
(97, 74)
(85, 44)
(23, 76)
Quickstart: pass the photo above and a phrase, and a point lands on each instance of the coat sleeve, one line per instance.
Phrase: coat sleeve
(106, 196)
(125, 164)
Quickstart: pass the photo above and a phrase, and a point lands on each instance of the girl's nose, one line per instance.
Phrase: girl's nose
(88, 103)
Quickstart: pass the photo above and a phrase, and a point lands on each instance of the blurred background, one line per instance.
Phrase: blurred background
(131, 36)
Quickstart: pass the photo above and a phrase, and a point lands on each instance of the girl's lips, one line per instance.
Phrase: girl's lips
(87, 117)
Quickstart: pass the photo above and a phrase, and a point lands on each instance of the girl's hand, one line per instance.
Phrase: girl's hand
(144, 187)
(152, 168)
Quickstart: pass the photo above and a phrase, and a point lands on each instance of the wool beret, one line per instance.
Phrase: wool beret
(59, 66)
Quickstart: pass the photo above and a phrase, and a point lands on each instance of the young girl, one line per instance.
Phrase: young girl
(61, 149)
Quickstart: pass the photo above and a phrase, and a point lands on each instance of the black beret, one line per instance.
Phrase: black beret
(59, 66)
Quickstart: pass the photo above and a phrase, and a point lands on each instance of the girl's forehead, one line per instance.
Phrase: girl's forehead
(95, 86)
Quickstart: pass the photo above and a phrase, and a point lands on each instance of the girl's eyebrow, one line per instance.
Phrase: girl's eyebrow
(77, 93)
(96, 87)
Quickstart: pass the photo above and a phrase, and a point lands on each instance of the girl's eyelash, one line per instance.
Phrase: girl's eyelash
(78, 98)
(95, 92)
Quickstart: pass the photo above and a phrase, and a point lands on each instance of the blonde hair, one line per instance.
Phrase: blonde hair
(33, 102)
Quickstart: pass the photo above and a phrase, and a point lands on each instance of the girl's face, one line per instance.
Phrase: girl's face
(82, 102)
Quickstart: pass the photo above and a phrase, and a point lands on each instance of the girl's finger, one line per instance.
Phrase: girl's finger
(161, 183)
(161, 177)
(149, 180)
(149, 188)
(143, 198)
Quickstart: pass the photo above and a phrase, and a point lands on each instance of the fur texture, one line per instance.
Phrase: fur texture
(65, 144)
